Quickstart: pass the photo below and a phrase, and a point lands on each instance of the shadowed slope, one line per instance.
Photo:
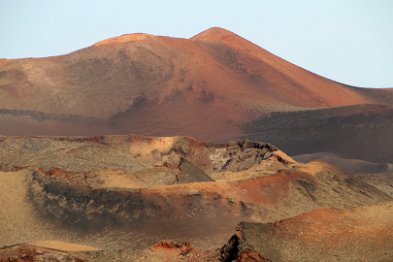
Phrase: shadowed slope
(359, 132)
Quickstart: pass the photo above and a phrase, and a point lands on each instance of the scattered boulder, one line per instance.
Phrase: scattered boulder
(233, 250)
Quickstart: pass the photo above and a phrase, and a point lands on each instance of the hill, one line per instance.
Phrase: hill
(122, 194)
(208, 87)
(362, 233)
(357, 132)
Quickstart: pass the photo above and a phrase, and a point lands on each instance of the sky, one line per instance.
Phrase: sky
(350, 41)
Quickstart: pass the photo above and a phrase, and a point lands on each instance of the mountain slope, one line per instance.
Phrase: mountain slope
(275, 77)
(208, 86)
(360, 132)
(355, 234)
(121, 194)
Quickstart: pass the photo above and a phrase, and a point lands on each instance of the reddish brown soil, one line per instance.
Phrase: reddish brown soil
(207, 87)
(124, 193)
(358, 234)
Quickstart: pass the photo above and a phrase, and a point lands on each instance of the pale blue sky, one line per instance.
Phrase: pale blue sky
(350, 41)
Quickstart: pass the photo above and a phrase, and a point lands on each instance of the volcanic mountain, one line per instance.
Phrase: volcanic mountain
(122, 194)
(213, 86)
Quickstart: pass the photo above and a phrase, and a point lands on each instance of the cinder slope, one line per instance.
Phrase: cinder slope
(350, 166)
(379, 175)
(382, 96)
(16, 214)
(132, 180)
(207, 86)
(362, 132)
(124, 193)
(203, 204)
(358, 234)
(275, 77)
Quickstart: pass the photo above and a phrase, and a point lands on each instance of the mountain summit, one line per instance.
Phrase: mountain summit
(213, 33)
(208, 86)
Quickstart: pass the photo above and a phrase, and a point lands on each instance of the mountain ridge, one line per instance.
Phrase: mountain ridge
(208, 86)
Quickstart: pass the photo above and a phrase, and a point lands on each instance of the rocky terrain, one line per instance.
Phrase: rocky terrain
(214, 86)
(356, 234)
(362, 132)
(379, 175)
(75, 187)
(122, 194)
(48, 251)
